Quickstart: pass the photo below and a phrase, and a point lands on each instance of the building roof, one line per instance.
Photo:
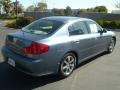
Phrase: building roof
(116, 11)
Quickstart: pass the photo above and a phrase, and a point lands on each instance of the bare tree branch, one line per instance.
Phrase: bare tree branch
(117, 4)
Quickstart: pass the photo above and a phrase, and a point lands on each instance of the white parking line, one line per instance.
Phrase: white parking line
(74, 81)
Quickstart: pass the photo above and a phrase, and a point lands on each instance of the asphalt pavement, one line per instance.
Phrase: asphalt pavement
(99, 73)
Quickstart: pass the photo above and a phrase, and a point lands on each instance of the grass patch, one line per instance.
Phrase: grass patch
(11, 23)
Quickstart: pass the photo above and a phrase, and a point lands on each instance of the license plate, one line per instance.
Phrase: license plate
(11, 62)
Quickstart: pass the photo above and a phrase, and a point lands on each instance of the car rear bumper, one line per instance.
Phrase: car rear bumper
(27, 65)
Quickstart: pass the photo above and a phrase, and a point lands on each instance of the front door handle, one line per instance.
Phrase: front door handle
(77, 41)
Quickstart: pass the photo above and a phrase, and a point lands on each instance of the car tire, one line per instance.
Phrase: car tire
(67, 65)
(111, 46)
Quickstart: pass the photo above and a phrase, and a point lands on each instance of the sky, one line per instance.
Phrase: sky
(74, 4)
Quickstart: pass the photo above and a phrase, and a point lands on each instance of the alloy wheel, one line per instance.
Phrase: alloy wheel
(68, 65)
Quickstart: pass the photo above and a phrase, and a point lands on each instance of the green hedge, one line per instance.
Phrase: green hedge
(23, 21)
(109, 24)
(5, 17)
(19, 22)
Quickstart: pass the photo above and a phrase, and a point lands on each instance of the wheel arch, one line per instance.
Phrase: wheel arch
(76, 54)
(69, 52)
(114, 39)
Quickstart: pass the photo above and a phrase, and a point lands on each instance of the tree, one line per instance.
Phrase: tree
(16, 8)
(20, 8)
(82, 10)
(6, 5)
(117, 4)
(41, 7)
(0, 8)
(68, 11)
(90, 10)
(102, 9)
(58, 11)
(30, 8)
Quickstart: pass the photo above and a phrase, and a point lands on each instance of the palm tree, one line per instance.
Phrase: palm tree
(6, 5)
(0, 8)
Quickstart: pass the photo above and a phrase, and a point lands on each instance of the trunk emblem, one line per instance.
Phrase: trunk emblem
(14, 40)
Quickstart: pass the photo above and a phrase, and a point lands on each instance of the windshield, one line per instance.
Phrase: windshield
(43, 27)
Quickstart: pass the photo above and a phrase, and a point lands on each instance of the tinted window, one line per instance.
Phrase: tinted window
(43, 27)
(78, 28)
(93, 27)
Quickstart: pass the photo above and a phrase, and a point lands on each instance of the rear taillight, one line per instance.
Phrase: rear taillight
(36, 48)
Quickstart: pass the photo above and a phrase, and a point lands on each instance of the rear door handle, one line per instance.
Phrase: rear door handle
(77, 41)
(96, 38)
(101, 36)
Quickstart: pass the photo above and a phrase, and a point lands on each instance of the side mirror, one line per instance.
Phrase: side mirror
(102, 31)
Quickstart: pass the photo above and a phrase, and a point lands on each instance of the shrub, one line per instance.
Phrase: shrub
(4, 17)
(113, 25)
(106, 24)
(23, 21)
(118, 24)
(11, 23)
(19, 22)
(109, 24)
(100, 22)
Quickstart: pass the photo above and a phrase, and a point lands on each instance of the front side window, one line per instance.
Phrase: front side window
(43, 27)
(93, 27)
(78, 28)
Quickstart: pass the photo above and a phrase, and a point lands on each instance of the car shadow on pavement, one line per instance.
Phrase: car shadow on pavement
(90, 60)
(11, 79)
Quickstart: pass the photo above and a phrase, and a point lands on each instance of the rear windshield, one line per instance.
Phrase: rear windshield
(43, 27)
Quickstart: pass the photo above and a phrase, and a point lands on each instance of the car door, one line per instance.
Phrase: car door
(101, 38)
(82, 40)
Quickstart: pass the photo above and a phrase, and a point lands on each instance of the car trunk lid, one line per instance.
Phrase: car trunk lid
(18, 40)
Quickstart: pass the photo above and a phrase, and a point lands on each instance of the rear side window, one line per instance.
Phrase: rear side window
(93, 27)
(78, 28)
(43, 27)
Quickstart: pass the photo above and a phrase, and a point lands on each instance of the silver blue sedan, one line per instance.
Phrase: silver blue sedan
(56, 45)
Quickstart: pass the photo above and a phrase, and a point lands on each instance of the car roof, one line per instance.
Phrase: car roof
(65, 19)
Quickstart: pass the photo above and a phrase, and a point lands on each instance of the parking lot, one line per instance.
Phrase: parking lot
(99, 73)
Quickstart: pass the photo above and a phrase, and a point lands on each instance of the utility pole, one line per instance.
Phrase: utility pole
(16, 8)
